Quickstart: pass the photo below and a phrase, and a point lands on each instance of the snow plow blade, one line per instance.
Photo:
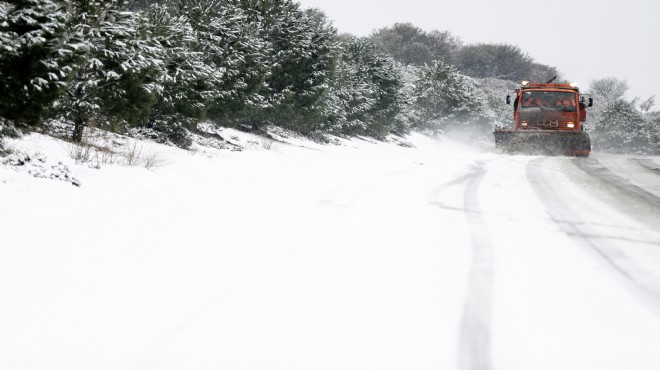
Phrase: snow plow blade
(544, 143)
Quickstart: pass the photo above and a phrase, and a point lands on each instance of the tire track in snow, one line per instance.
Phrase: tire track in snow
(648, 165)
(645, 285)
(622, 185)
(475, 337)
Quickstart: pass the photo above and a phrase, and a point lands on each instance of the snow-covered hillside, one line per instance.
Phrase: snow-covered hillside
(352, 255)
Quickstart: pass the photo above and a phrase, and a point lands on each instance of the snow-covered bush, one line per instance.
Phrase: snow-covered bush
(39, 166)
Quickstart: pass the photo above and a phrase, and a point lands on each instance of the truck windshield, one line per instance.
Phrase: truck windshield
(549, 100)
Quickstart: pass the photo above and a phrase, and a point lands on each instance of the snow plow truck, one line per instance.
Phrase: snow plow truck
(548, 119)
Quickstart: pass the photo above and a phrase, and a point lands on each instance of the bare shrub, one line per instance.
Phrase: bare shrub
(267, 143)
(102, 157)
(80, 152)
(132, 156)
(152, 160)
(94, 155)
(136, 156)
(4, 151)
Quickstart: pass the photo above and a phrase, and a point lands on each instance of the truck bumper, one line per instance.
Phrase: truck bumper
(545, 143)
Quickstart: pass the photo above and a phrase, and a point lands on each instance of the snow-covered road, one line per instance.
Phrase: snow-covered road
(363, 256)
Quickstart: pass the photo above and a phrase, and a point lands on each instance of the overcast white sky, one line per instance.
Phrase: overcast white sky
(584, 39)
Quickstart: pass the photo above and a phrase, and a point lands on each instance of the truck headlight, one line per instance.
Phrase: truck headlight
(523, 123)
(570, 125)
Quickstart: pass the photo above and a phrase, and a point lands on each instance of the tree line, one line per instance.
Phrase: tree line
(167, 65)
(619, 124)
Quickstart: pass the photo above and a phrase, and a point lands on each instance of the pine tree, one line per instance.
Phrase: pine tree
(387, 80)
(190, 84)
(349, 101)
(302, 54)
(365, 96)
(232, 44)
(119, 82)
(36, 60)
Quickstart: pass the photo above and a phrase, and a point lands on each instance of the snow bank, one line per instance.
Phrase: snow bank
(295, 255)
(289, 255)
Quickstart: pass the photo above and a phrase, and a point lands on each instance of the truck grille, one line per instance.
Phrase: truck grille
(548, 125)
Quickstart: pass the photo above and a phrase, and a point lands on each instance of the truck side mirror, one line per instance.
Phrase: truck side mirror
(508, 99)
(591, 102)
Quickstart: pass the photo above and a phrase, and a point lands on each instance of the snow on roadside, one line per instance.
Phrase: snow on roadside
(291, 255)
(296, 255)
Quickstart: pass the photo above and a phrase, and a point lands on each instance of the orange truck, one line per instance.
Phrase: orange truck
(548, 119)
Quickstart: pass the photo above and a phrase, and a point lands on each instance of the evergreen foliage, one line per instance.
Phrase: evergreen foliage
(118, 84)
(445, 99)
(170, 64)
(189, 84)
(301, 57)
(384, 74)
(495, 91)
(622, 128)
(365, 97)
(231, 44)
(36, 60)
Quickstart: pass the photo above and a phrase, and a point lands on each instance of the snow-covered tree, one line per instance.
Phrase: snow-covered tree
(190, 84)
(365, 97)
(446, 99)
(383, 73)
(351, 96)
(621, 128)
(232, 44)
(121, 78)
(495, 91)
(301, 57)
(36, 60)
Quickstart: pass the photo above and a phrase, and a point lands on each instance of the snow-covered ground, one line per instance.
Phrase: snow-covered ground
(354, 255)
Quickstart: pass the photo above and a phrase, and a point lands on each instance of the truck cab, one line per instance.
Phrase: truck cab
(547, 118)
